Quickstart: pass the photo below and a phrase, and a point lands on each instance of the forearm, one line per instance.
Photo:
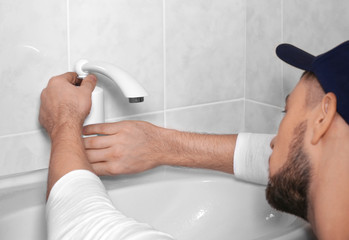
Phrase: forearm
(67, 153)
(199, 150)
(134, 146)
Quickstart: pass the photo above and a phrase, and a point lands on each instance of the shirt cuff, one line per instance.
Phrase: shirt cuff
(251, 157)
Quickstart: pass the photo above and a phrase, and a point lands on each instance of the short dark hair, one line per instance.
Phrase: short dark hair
(315, 92)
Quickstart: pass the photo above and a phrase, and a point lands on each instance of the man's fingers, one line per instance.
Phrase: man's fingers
(101, 168)
(89, 83)
(102, 128)
(71, 77)
(107, 168)
(99, 155)
(98, 142)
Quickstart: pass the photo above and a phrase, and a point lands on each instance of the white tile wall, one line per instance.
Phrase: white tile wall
(33, 47)
(209, 66)
(263, 68)
(205, 51)
(262, 118)
(216, 118)
(127, 33)
(24, 152)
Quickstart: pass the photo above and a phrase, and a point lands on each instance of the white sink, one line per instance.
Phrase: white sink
(187, 203)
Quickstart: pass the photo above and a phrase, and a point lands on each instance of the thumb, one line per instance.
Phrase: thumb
(89, 83)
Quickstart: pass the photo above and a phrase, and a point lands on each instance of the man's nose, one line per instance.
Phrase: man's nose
(272, 143)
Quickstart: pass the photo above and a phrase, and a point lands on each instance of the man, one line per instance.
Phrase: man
(309, 165)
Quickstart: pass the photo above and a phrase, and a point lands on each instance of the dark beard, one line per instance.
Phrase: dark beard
(287, 190)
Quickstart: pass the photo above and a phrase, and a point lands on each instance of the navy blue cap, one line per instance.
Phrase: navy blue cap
(331, 69)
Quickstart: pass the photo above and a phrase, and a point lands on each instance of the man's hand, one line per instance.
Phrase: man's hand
(64, 107)
(64, 103)
(135, 146)
(127, 147)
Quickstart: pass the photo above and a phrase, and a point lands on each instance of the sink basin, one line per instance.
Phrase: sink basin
(187, 203)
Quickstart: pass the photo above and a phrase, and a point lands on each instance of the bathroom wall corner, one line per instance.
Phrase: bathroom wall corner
(262, 118)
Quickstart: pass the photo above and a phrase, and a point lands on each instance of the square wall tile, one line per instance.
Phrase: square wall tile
(315, 26)
(220, 118)
(263, 67)
(24, 152)
(205, 51)
(128, 34)
(261, 118)
(33, 49)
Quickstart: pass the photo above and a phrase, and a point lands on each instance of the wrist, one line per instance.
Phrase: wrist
(65, 127)
(173, 147)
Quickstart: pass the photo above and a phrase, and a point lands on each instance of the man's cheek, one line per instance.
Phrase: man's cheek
(274, 160)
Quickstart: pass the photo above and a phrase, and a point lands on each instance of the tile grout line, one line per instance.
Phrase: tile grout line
(265, 104)
(114, 119)
(164, 60)
(158, 112)
(176, 109)
(245, 78)
(204, 105)
(21, 134)
(68, 33)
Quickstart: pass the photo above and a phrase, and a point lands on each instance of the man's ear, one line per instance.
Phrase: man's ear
(324, 117)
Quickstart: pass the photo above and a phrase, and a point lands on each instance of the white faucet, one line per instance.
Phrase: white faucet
(128, 85)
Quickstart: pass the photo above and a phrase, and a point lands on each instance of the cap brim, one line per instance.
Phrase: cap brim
(295, 56)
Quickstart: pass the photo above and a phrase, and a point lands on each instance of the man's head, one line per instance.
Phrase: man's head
(310, 110)
(290, 166)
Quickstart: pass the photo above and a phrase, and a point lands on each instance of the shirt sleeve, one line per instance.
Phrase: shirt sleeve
(251, 157)
(79, 207)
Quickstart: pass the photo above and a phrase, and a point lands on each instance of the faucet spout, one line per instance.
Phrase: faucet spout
(128, 85)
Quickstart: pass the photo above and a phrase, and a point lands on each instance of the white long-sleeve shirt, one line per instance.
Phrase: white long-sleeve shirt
(79, 206)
